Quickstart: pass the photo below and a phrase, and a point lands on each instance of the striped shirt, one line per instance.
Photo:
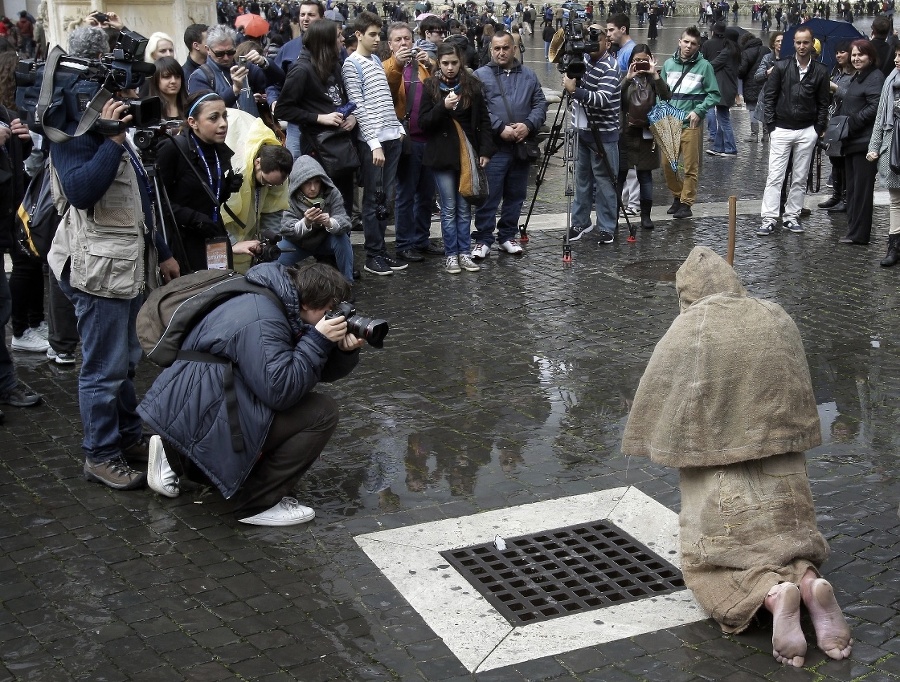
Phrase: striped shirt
(374, 112)
(598, 99)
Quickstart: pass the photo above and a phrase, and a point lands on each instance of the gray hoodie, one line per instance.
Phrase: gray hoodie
(293, 225)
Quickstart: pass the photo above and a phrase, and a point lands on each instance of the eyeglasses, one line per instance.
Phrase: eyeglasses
(223, 53)
(439, 32)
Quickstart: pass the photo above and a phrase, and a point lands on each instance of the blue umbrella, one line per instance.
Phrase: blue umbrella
(829, 33)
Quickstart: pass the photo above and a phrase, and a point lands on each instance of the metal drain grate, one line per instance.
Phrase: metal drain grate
(558, 572)
(662, 270)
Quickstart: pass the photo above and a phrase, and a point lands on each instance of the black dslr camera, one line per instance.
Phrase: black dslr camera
(372, 330)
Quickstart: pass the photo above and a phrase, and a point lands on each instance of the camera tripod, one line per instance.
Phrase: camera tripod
(564, 136)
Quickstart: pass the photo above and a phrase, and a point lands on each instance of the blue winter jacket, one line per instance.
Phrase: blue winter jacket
(277, 360)
(527, 103)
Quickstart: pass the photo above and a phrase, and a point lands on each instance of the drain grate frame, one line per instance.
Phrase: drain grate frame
(555, 573)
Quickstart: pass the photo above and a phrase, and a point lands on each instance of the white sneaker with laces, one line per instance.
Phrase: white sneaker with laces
(30, 341)
(467, 264)
(452, 265)
(288, 512)
(481, 251)
(160, 477)
(511, 246)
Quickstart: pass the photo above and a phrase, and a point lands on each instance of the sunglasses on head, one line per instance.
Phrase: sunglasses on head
(224, 53)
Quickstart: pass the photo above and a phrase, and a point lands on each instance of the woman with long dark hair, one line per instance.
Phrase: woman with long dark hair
(453, 102)
(860, 103)
(312, 93)
(880, 153)
(169, 85)
(840, 78)
(637, 148)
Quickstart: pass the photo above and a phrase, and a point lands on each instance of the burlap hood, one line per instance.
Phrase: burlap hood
(728, 382)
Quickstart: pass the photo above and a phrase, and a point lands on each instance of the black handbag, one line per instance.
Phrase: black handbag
(894, 158)
(837, 131)
(335, 150)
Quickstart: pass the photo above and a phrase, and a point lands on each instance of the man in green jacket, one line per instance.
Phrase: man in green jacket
(692, 80)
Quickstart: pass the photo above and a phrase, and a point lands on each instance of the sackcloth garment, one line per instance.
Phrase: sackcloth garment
(727, 399)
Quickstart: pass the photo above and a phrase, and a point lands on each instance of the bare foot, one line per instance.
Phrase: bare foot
(832, 631)
(788, 642)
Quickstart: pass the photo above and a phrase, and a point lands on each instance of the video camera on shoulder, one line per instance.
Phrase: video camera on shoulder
(577, 45)
(76, 81)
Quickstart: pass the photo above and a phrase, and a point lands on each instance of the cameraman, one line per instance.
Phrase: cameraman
(282, 351)
(103, 254)
(595, 116)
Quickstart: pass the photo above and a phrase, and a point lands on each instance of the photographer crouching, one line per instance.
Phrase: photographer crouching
(283, 350)
(105, 248)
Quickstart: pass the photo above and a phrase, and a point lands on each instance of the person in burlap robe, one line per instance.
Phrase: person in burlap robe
(727, 399)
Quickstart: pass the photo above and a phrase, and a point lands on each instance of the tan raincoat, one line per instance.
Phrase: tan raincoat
(727, 399)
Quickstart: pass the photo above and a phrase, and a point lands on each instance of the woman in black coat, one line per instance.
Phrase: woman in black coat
(193, 167)
(312, 93)
(452, 100)
(860, 104)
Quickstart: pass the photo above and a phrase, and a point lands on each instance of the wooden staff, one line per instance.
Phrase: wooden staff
(732, 228)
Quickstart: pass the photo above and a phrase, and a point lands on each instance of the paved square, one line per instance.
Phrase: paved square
(476, 633)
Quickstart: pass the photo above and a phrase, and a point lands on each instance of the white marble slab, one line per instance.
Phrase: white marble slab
(477, 634)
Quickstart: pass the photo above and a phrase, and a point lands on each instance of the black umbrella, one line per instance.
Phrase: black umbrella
(829, 33)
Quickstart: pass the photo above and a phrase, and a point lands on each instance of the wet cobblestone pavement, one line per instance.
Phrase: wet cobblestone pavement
(495, 389)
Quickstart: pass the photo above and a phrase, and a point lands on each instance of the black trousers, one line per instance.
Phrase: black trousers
(63, 323)
(26, 286)
(859, 178)
(295, 440)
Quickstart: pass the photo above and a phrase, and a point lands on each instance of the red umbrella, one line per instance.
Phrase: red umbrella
(254, 25)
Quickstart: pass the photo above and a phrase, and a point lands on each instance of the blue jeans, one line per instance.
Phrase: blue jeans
(415, 197)
(507, 181)
(375, 178)
(7, 370)
(337, 244)
(593, 184)
(456, 216)
(711, 124)
(292, 141)
(110, 352)
(724, 137)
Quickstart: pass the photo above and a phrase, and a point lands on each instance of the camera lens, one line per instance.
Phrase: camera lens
(372, 330)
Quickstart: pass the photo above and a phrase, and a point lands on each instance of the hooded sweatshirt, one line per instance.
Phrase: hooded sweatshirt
(697, 89)
(293, 225)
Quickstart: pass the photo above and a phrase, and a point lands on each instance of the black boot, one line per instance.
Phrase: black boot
(893, 252)
(833, 200)
(646, 223)
(840, 206)
(676, 204)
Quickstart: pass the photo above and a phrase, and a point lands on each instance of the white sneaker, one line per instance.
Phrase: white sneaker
(481, 251)
(288, 512)
(30, 341)
(452, 265)
(467, 264)
(42, 330)
(511, 246)
(61, 358)
(160, 477)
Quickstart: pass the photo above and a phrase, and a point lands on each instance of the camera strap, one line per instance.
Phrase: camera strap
(90, 116)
